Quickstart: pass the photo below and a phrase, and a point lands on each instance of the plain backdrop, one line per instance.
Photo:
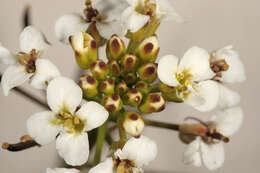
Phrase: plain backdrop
(210, 24)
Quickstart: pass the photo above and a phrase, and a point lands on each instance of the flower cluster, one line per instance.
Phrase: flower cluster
(116, 93)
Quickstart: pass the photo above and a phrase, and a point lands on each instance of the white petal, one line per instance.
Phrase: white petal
(196, 61)
(63, 93)
(40, 127)
(167, 68)
(141, 150)
(209, 91)
(45, 72)
(69, 25)
(103, 167)
(236, 70)
(106, 30)
(6, 57)
(165, 11)
(61, 170)
(229, 121)
(133, 20)
(94, 114)
(73, 148)
(213, 155)
(227, 98)
(192, 153)
(32, 38)
(14, 76)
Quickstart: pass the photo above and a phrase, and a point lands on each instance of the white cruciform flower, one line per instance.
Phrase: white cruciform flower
(27, 65)
(62, 170)
(209, 150)
(191, 77)
(105, 14)
(227, 65)
(68, 121)
(227, 97)
(136, 153)
(139, 13)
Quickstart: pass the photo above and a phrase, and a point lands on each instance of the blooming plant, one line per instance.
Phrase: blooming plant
(118, 93)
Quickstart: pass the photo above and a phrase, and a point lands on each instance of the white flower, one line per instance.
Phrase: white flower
(68, 121)
(235, 71)
(61, 170)
(139, 12)
(209, 150)
(191, 77)
(107, 20)
(27, 65)
(136, 153)
(227, 98)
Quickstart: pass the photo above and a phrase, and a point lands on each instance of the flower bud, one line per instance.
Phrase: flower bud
(99, 69)
(149, 49)
(89, 85)
(129, 62)
(169, 93)
(130, 78)
(114, 68)
(121, 88)
(133, 123)
(153, 102)
(133, 97)
(93, 31)
(112, 103)
(108, 86)
(85, 48)
(148, 72)
(143, 87)
(115, 48)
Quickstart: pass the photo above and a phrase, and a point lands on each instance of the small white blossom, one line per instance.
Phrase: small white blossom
(211, 152)
(61, 170)
(27, 65)
(137, 152)
(235, 71)
(191, 77)
(227, 98)
(68, 121)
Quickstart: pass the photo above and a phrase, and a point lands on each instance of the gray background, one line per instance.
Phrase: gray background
(210, 24)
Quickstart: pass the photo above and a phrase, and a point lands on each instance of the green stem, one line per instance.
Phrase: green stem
(132, 45)
(109, 139)
(164, 125)
(99, 143)
(122, 133)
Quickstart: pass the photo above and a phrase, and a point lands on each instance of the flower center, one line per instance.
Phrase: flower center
(182, 90)
(219, 66)
(28, 60)
(147, 8)
(125, 166)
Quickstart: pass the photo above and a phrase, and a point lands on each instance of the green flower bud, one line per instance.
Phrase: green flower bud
(85, 48)
(89, 86)
(99, 69)
(153, 102)
(143, 87)
(121, 88)
(114, 68)
(112, 103)
(148, 72)
(115, 48)
(149, 49)
(133, 97)
(129, 62)
(169, 93)
(130, 78)
(133, 123)
(108, 86)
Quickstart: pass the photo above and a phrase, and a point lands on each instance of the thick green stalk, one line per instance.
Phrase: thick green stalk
(164, 125)
(132, 45)
(122, 133)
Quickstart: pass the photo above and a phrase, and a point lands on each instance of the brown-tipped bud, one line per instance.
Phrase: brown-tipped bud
(99, 69)
(121, 88)
(153, 102)
(133, 123)
(148, 50)
(112, 103)
(133, 98)
(108, 86)
(114, 68)
(129, 62)
(169, 93)
(130, 78)
(85, 48)
(93, 31)
(148, 72)
(115, 48)
(89, 86)
(143, 87)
